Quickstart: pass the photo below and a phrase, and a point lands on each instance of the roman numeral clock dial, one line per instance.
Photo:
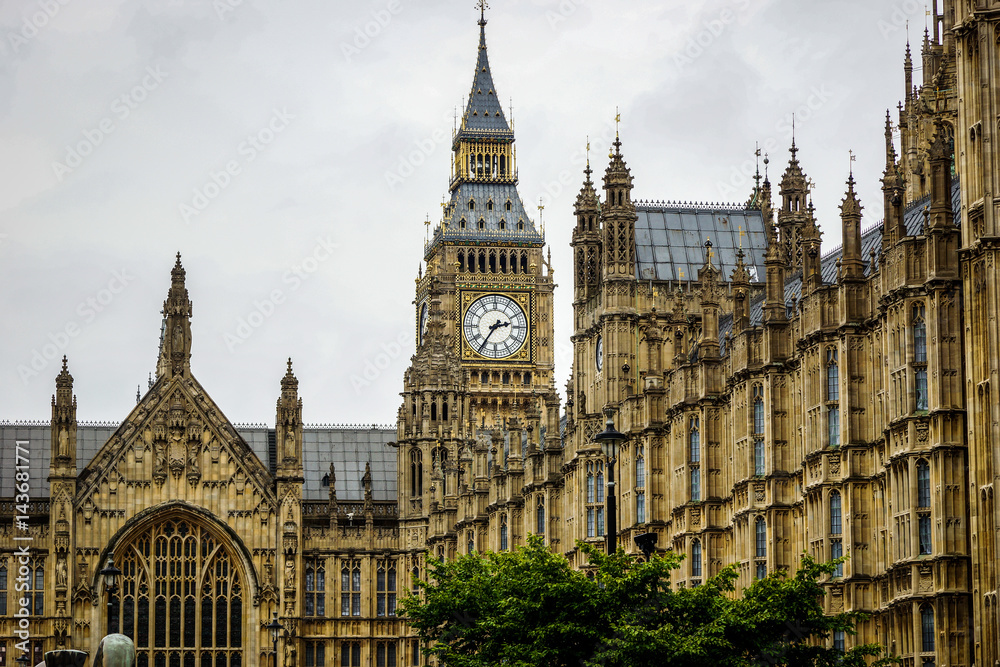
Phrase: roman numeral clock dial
(495, 326)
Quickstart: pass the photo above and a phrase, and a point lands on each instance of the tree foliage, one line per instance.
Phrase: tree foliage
(528, 607)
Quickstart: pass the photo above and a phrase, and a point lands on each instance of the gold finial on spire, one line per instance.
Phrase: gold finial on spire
(853, 159)
(741, 236)
(482, 6)
(618, 119)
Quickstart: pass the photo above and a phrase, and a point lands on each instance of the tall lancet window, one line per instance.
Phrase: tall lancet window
(920, 356)
(832, 397)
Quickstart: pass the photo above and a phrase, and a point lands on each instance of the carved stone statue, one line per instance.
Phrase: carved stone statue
(289, 573)
(61, 576)
(63, 442)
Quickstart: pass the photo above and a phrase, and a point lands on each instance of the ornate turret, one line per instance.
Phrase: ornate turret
(619, 217)
(288, 425)
(892, 192)
(793, 216)
(740, 280)
(587, 238)
(708, 277)
(64, 423)
(175, 338)
(940, 163)
(852, 263)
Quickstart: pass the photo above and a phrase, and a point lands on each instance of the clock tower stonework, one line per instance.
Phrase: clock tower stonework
(478, 429)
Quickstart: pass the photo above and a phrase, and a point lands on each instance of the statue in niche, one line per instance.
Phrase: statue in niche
(63, 449)
(61, 575)
(289, 573)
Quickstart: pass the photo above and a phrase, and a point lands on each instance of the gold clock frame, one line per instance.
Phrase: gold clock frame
(524, 299)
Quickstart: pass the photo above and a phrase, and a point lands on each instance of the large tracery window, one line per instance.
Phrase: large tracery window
(181, 598)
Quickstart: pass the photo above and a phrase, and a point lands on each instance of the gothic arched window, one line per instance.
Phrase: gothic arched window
(416, 473)
(694, 458)
(540, 516)
(181, 597)
(832, 397)
(920, 356)
(927, 628)
(696, 558)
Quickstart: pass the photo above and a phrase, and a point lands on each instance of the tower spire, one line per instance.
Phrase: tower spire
(175, 338)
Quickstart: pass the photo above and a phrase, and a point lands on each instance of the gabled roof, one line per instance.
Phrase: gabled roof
(347, 447)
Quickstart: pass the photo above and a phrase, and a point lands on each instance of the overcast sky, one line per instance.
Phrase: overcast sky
(291, 152)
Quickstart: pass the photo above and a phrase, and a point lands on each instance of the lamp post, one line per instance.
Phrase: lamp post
(275, 629)
(110, 575)
(23, 660)
(610, 439)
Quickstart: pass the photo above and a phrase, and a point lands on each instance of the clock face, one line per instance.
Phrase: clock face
(599, 353)
(423, 321)
(495, 326)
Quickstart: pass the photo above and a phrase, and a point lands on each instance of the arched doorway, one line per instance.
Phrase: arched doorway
(181, 599)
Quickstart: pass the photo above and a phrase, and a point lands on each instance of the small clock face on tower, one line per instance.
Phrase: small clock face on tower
(495, 326)
(599, 353)
(423, 322)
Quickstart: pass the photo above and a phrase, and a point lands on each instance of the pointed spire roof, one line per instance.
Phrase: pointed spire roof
(793, 178)
(587, 199)
(617, 171)
(483, 112)
(289, 383)
(175, 343)
(851, 205)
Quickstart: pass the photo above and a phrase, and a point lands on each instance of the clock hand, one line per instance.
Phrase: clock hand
(493, 327)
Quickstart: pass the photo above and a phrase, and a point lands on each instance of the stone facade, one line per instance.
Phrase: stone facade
(777, 401)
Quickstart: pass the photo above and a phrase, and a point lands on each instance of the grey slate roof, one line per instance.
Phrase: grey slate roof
(349, 448)
(481, 194)
(483, 113)
(670, 239)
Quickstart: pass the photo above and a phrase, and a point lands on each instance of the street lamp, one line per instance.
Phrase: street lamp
(275, 629)
(110, 575)
(610, 439)
(23, 661)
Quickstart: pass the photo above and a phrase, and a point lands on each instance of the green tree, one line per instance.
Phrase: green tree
(528, 607)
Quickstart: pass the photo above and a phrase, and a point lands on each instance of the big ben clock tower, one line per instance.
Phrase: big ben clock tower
(479, 398)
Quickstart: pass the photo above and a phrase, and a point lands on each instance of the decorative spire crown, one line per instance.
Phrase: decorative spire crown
(850, 206)
(289, 383)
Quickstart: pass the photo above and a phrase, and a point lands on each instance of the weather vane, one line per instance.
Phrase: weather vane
(482, 6)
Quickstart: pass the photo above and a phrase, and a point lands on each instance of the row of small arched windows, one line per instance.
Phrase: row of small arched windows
(493, 261)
